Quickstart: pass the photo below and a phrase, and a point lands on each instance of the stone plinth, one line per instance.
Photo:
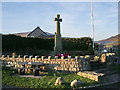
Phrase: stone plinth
(58, 41)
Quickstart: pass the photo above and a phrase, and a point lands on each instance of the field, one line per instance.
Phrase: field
(46, 81)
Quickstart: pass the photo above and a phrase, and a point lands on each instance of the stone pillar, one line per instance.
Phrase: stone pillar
(58, 41)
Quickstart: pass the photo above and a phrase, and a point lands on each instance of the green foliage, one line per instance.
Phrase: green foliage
(43, 82)
(16, 43)
(12, 42)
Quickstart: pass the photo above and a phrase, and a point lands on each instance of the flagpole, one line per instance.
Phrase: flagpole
(92, 23)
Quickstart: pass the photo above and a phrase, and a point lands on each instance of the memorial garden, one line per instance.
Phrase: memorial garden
(34, 62)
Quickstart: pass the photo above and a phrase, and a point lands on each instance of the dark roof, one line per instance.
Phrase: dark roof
(35, 29)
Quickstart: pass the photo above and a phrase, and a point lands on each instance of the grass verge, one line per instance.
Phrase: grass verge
(44, 82)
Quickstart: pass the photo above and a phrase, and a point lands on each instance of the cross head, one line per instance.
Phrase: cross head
(58, 19)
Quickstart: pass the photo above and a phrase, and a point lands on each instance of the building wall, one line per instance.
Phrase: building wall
(37, 33)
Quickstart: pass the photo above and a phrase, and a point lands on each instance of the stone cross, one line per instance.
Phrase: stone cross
(58, 41)
(58, 20)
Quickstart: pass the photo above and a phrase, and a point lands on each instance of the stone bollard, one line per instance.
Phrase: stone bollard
(59, 81)
(103, 58)
(75, 83)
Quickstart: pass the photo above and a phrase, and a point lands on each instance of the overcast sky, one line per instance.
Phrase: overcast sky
(25, 16)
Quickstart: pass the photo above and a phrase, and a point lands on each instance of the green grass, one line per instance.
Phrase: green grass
(44, 82)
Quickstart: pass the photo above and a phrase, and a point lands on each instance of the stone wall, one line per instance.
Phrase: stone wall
(98, 77)
(76, 64)
(108, 58)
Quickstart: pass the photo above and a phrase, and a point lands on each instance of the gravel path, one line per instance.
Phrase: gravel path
(30, 76)
(116, 85)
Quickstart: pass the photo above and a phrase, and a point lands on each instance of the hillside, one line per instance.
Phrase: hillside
(113, 38)
(112, 41)
(23, 34)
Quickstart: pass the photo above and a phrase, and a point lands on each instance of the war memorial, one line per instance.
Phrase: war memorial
(37, 67)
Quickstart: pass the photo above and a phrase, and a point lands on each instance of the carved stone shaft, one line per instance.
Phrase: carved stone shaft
(58, 41)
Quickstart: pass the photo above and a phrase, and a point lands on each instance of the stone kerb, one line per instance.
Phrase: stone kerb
(98, 77)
